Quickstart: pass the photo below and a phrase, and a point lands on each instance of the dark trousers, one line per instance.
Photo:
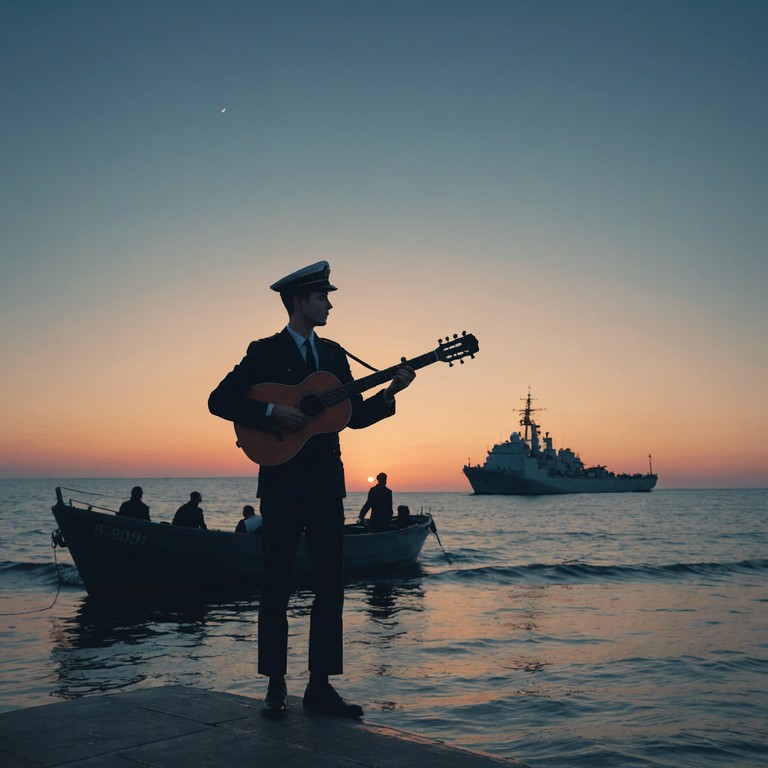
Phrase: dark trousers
(323, 524)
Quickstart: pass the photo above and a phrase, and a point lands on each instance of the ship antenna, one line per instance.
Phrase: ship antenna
(650, 465)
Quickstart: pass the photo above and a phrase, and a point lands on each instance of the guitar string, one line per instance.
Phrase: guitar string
(334, 396)
(343, 392)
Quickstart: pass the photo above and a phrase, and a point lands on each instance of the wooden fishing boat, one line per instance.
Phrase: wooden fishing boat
(122, 556)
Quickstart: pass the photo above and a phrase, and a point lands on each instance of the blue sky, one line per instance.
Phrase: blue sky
(569, 177)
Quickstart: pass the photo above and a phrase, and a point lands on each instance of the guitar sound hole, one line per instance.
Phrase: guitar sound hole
(311, 405)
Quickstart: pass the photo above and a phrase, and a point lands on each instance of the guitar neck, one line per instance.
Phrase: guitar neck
(346, 391)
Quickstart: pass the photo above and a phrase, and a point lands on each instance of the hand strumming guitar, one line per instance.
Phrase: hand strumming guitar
(288, 417)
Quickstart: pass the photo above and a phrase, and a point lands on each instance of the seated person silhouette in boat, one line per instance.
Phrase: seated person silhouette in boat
(250, 522)
(190, 515)
(135, 507)
(379, 501)
(403, 519)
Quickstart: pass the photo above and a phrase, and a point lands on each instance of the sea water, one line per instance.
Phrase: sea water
(585, 630)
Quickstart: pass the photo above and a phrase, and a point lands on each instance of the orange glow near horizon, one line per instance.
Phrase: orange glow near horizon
(205, 447)
(143, 412)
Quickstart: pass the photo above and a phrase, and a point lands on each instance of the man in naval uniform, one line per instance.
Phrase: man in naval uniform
(305, 493)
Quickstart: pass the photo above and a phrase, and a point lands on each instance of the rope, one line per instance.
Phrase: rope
(77, 490)
(88, 503)
(58, 588)
(93, 506)
(88, 493)
(433, 528)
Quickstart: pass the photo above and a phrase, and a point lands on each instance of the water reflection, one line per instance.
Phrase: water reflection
(387, 598)
(210, 641)
(106, 646)
(381, 601)
(100, 624)
(389, 611)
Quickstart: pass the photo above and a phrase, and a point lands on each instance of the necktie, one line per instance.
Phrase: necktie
(311, 364)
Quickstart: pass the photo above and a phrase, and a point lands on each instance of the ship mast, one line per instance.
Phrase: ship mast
(526, 412)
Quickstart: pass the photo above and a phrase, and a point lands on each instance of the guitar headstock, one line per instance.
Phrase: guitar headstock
(457, 348)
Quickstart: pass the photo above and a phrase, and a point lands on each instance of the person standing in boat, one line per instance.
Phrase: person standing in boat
(190, 515)
(135, 507)
(306, 492)
(379, 501)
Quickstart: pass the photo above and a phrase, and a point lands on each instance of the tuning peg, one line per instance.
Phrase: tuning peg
(455, 335)
(439, 341)
(403, 359)
(462, 361)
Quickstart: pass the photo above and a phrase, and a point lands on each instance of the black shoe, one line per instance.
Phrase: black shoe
(323, 698)
(274, 702)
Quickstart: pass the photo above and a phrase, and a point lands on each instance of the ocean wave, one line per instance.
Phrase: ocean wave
(40, 573)
(565, 572)
(575, 571)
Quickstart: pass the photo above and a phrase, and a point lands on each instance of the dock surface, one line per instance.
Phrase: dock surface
(176, 725)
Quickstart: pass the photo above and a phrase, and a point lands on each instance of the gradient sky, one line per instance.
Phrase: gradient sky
(583, 185)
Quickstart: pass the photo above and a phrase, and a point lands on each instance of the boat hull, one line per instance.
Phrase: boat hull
(119, 555)
(489, 482)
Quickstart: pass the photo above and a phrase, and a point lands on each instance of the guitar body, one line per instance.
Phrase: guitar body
(277, 447)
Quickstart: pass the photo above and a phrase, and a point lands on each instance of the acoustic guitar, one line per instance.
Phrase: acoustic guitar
(325, 401)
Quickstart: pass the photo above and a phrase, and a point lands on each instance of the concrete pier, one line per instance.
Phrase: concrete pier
(177, 725)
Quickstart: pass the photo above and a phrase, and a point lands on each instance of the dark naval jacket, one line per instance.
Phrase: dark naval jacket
(317, 470)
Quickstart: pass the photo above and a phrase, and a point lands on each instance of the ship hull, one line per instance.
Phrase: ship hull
(490, 482)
